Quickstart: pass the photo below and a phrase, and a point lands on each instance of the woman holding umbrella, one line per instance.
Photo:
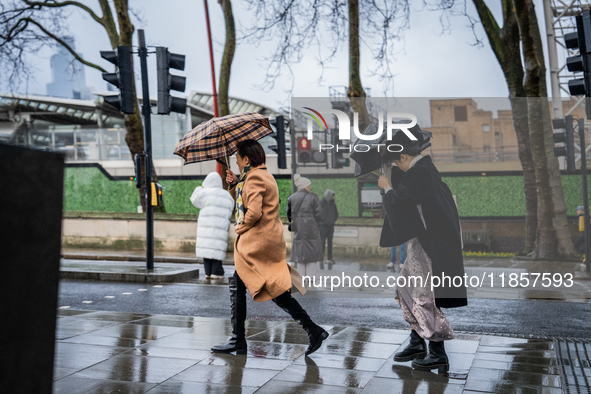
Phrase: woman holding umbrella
(259, 249)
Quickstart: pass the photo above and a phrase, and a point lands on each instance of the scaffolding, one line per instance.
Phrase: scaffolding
(560, 20)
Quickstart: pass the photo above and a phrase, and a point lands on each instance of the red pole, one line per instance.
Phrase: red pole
(215, 93)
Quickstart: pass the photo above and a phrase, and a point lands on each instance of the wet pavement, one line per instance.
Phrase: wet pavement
(136, 353)
(99, 351)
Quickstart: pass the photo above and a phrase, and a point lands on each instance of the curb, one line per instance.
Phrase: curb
(130, 257)
(526, 258)
(147, 277)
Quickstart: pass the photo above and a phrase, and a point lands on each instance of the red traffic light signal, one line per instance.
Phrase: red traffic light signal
(304, 150)
(304, 143)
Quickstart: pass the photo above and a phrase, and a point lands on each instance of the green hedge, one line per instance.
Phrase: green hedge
(346, 196)
(88, 189)
(504, 195)
(177, 195)
(488, 195)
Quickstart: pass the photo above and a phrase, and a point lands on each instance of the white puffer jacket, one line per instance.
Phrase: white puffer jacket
(216, 206)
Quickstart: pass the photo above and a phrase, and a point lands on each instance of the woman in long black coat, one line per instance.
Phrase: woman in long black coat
(420, 209)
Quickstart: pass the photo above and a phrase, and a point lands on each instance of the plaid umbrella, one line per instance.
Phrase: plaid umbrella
(217, 138)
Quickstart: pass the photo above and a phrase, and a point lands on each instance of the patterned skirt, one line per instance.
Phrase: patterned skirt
(416, 298)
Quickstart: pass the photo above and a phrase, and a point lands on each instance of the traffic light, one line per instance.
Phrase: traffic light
(140, 181)
(319, 156)
(337, 152)
(279, 135)
(304, 150)
(582, 62)
(568, 138)
(167, 82)
(157, 195)
(123, 78)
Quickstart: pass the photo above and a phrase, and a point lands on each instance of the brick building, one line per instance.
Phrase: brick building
(466, 138)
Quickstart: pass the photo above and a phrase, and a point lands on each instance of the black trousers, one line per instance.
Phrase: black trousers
(326, 233)
(580, 244)
(213, 267)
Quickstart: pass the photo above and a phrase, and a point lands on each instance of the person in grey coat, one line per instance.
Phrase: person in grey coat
(303, 210)
(330, 214)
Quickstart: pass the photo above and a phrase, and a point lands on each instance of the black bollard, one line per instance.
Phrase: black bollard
(31, 198)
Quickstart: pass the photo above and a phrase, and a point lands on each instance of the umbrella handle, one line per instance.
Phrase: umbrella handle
(227, 161)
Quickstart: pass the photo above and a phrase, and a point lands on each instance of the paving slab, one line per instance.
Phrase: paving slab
(137, 353)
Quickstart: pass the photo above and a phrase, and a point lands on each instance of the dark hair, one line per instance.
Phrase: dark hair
(410, 148)
(253, 150)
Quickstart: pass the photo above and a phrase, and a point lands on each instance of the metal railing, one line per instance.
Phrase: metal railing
(101, 144)
(79, 144)
(473, 156)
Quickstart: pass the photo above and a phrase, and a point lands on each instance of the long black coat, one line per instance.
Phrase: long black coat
(441, 239)
(306, 246)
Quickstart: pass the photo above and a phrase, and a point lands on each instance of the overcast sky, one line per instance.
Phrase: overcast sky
(429, 64)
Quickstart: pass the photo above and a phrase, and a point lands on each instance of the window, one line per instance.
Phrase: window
(485, 128)
(461, 114)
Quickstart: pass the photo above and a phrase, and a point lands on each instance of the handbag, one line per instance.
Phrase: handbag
(291, 226)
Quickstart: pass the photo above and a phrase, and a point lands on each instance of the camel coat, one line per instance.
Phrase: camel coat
(259, 249)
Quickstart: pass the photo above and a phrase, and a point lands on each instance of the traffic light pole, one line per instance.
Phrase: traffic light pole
(585, 194)
(146, 108)
(294, 154)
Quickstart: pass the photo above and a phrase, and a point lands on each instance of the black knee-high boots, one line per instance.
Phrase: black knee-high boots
(237, 342)
(316, 334)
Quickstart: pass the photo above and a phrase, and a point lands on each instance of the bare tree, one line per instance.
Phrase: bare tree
(325, 25)
(505, 43)
(228, 56)
(27, 26)
(553, 234)
(355, 88)
(518, 39)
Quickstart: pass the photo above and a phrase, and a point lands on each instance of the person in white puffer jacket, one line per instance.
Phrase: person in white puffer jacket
(216, 206)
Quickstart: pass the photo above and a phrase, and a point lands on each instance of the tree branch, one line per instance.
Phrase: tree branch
(13, 32)
(64, 4)
(492, 29)
(110, 25)
(65, 45)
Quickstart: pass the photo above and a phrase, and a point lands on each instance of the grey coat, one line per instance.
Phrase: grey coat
(306, 246)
